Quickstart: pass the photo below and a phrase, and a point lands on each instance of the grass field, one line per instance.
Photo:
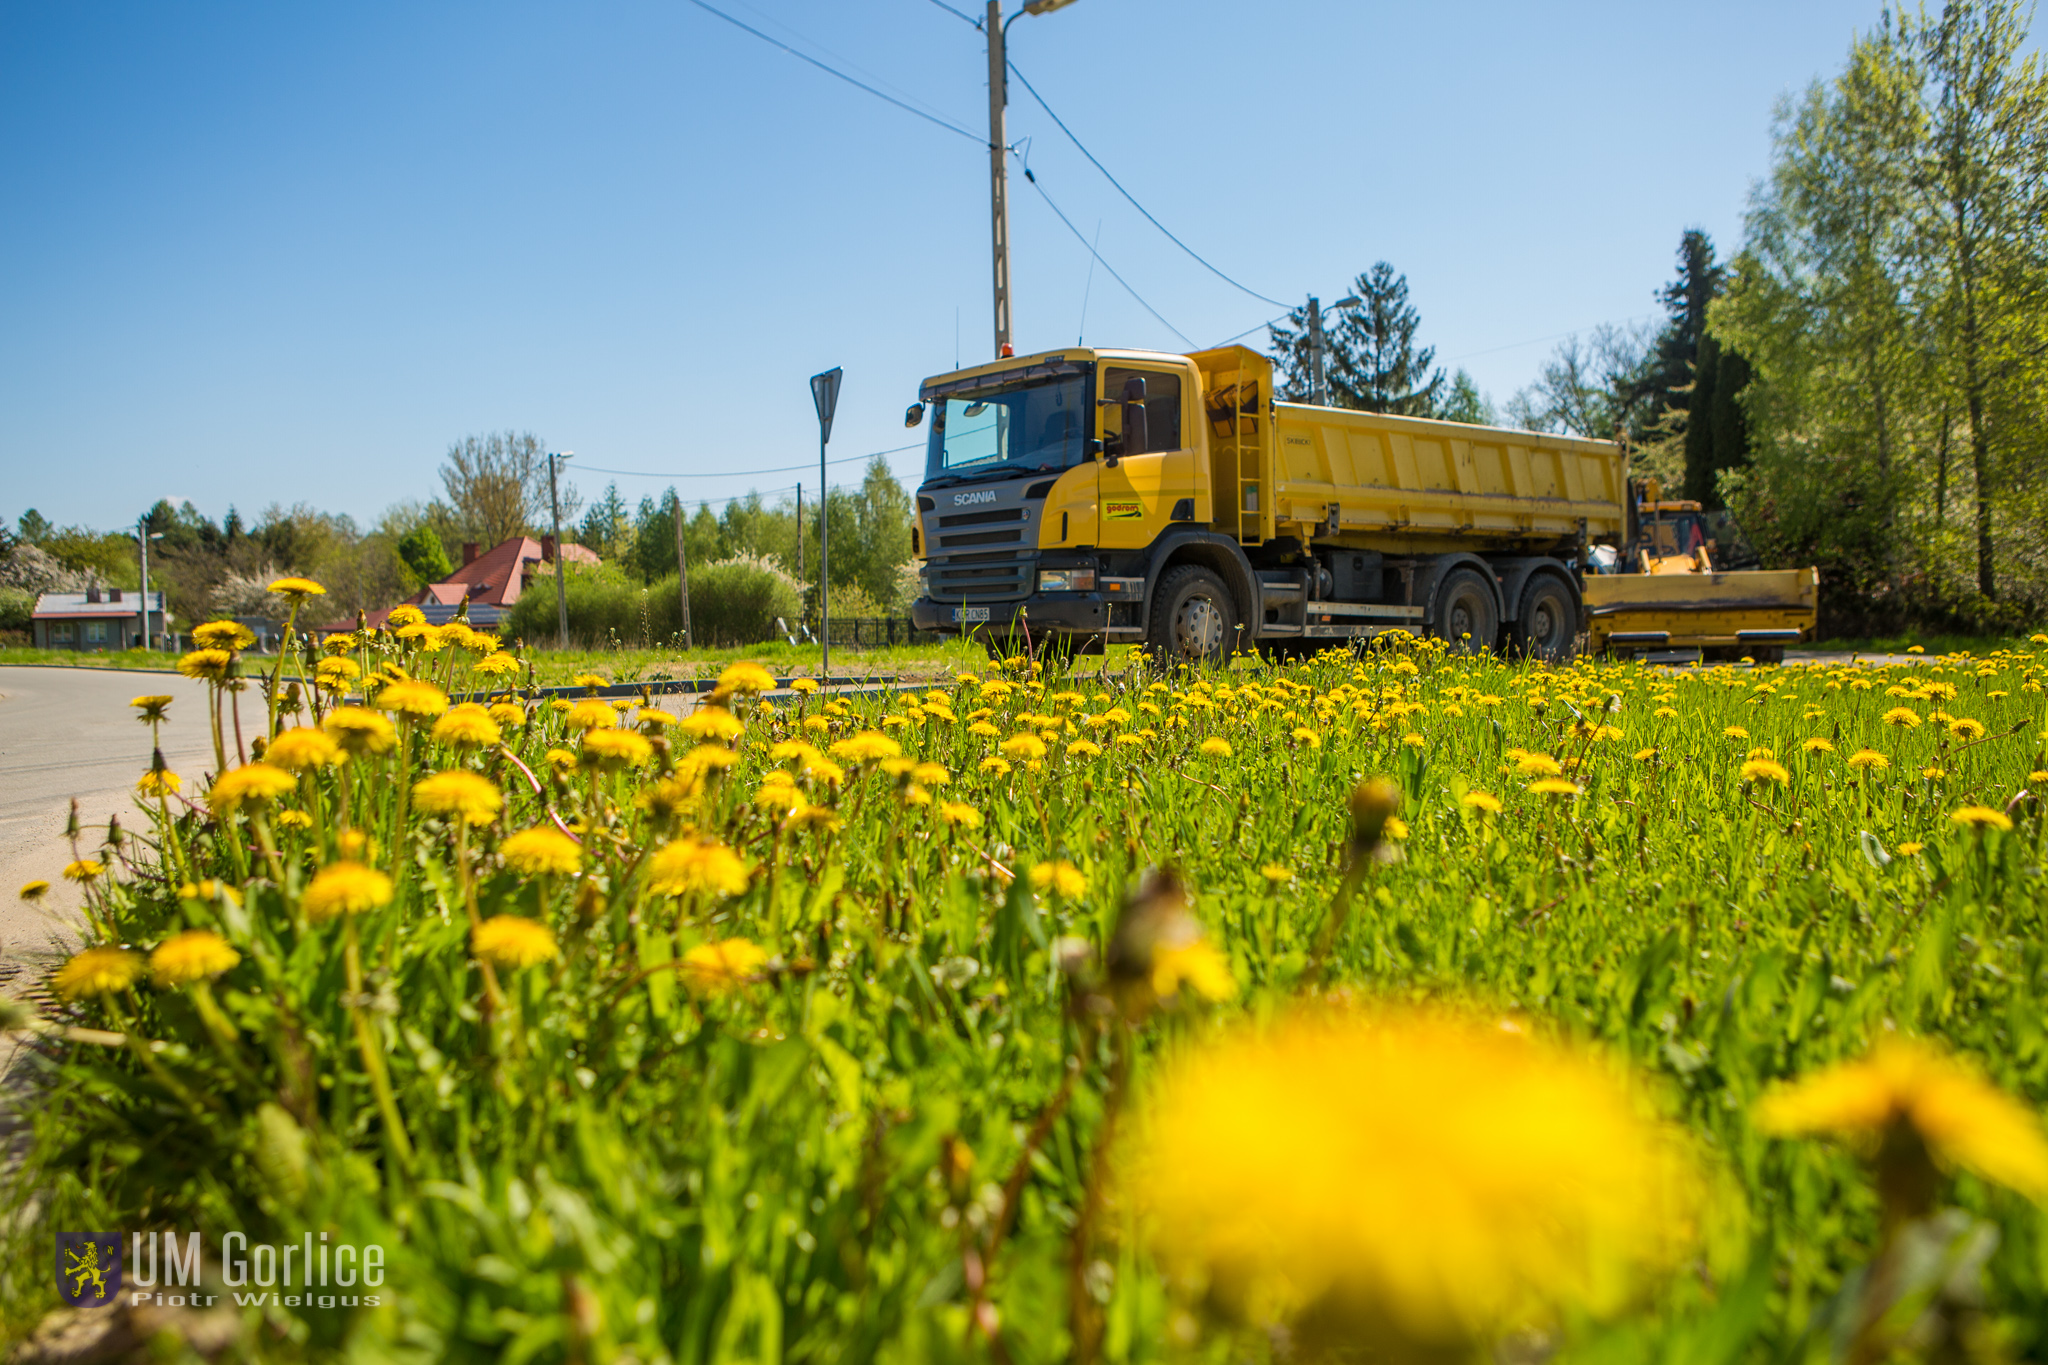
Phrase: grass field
(1401, 1006)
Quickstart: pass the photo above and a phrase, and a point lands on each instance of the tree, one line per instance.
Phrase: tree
(424, 557)
(35, 528)
(1466, 404)
(1591, 386)
(607, 527)
(498, 486)
(1371, 361)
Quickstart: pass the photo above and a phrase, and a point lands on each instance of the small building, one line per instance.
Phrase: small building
(96, 619)
(490, 582)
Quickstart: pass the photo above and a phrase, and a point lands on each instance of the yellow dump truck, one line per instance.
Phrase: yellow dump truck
(1086, 496)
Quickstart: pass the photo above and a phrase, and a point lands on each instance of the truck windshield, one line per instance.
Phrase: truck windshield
(1012, 429)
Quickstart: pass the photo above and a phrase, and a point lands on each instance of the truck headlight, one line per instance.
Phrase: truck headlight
(1066, 580)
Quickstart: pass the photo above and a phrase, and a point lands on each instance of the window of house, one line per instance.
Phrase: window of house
(95, 632)
(62, 632)
(1162, 408)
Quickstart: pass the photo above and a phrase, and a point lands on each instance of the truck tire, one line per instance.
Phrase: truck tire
(1466, 616)
(1193, 617)
(1547, 627)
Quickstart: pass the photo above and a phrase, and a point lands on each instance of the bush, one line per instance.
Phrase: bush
(732, 602)
(17, 608)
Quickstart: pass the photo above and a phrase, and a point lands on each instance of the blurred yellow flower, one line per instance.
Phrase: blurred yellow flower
(159, 782)
(411, 699)
(616, 749)
(1818, 745)
(866, 747)
(459, 793)
(712, 723)
(360, 731)
(407, 615)
(152, 707)
(35, 890)
(496, 665)
(1909, 848)
(1214, 747)
(1555, 786)
(1023, 746)
(1537, 765)
(542, 851)
(1981, 817)
(803, 686)
(1735, 732)
(745, 676)
(724, 966)
(250, 784)
(1196, 965)
(507, 714)
(1869, 759)
(191, 956)
(297, 588)
(345, 888)
(592, 713)
(1483, 801)
(467, 726)
(1419, 1180)
(512, 941)
(210, 665)
(228, 635)
(1966, 729)
(690, 865)
(1084, 748)
(1061, 877)
(995, 767)
(1963, 1120)
(1903, 716)
(97, 971)
(301, 748)
(1277, 872)
(1765, 770)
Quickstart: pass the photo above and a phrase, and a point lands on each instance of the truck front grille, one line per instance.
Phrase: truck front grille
(987, 554)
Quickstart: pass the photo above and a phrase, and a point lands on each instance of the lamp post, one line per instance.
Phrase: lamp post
(561, 564)
(998, 29)
(143, 535)
(1318, 380)
(825, 394)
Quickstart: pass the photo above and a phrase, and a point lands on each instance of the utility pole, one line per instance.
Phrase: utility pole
(143, 537)
(682, 574)
(825, 394)
(799, 533)
(998, 150)
(561, 562)
(1318, 389)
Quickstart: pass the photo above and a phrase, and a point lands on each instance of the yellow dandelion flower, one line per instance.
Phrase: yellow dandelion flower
(1933, 774)
(152, 707)
(191, 956)
(1023, 746)
(303, 748)
(345, 888)
(803, 686)
(1482, 801)
(995, 767)
(592, 713)
(297, 588)
(745, 676)
(360, 731)
(513, 941)
(1966, 729)
(1537, 765)
(467, 726)
(724, 966)
(507, 714)
(958, 814)
(1555, 786)
(411, 699)
(1869, 760)
(496, 666)
(250, 784)
(1910, 847)
(690, 865)
(458, 793)
(1303, 735)
(407, 615)
(227, 635)
(84, 870)
(97, 971)
(1905, 717)
(1765, 770)
(1214, 747)
(1059, 876)
(1981, 817)
(1645, 755)
(869, 746)
(1963, 1120)
(1082, 748)
(1277, 872)
(294, 819)
(1735, 732)
(33, 891)
(774, 796)
(159, 782)
(2039, 775)
(542, 851)
(615, 749)
(1301, 1172)
(1819, 744)
(209, 665)
(1197, 965)
(809, 816)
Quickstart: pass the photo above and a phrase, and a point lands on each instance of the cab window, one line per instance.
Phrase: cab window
(1162, 410)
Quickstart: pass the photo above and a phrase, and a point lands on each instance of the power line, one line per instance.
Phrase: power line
(1253, 328)
(1133, 198)
(947, 124)
(962, 17)
(1104, 264)
(1533, 341)
(743, 473)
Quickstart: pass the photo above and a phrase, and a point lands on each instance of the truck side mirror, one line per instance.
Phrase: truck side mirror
(914, 415)
(1134, 416)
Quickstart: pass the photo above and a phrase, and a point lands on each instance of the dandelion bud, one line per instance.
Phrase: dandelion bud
(1373, 802)
(71, 822)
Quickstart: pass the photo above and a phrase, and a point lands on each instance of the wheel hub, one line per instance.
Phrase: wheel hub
(1198, 629)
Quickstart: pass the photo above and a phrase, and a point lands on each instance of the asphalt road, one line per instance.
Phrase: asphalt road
(65, 733)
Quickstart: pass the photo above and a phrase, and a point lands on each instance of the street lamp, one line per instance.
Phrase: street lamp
(998, 30)
(561, 564)
(1318, 387)
(143, 535)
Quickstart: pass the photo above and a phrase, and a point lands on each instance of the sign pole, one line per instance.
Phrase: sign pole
(825, 394)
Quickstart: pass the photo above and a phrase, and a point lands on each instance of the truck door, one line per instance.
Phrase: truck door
(1145, 473)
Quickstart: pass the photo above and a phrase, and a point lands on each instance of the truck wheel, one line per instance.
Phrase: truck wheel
(1193, 617)
(1466, 616)
(1547, 626)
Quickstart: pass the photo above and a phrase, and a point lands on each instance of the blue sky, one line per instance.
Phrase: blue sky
(288, 253)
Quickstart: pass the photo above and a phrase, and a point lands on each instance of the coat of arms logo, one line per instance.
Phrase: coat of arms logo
(88, 1268)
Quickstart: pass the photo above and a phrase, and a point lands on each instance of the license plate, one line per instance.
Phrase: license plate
(970, 613)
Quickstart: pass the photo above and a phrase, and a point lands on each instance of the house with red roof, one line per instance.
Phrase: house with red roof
(491, 582)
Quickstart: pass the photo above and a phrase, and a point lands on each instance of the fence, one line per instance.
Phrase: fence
(862, 632)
